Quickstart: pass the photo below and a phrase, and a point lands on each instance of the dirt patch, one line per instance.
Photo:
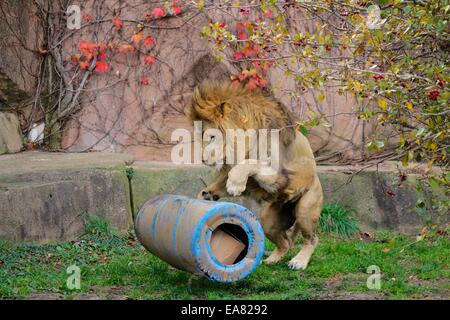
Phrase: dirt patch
(352, 296)
(104, 293)
(334, 289)
(437, 289)
(45, 296)
(95, 293)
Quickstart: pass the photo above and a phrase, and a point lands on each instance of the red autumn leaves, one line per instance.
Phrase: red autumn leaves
(101, 66)
(149, 60)
(249, 51)
(241, 29)
(139, 42)
(378, 76)
(433, 94)
(118, 23)
(158, 13)
(148, 41)
(251, 58)
(89, 51)
(92, 51)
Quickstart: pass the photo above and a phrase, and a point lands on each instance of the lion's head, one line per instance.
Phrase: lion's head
(222, 106)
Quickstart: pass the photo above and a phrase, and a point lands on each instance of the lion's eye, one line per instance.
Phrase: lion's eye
(212, 138)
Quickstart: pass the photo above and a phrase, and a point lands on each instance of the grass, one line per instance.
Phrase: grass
(114, 265)
(336, 219)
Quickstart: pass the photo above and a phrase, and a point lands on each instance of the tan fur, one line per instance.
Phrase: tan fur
(293, 193)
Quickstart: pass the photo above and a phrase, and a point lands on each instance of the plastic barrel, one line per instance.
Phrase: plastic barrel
(220, 240)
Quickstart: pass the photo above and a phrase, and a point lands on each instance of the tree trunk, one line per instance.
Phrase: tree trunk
(52, 133)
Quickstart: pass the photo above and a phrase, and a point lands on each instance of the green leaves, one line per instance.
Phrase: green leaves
(407, 158)
(375, 146)
(303, 130)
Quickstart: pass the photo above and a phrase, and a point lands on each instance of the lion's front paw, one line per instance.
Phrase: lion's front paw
(298, 264)
(275, 256)
(206, 194)
(237, 181)
(235, 188)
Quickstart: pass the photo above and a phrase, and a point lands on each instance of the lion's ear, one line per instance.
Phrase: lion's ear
(221, 108)
(211, 113)
(208, 103)
(221, 111)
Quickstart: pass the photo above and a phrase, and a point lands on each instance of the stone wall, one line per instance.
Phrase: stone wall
(20, 35)
(49, 196)
(10, 133)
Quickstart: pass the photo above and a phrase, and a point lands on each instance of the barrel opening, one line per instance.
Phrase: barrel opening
(229, 243)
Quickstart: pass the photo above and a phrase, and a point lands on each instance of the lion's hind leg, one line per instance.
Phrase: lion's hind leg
(307, 214)
(275, 222)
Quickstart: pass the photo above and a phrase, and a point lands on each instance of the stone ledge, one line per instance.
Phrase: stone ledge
(45, 196)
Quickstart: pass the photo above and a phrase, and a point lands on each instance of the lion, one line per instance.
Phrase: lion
(292, 192)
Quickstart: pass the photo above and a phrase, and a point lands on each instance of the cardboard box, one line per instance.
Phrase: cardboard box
(225, 247)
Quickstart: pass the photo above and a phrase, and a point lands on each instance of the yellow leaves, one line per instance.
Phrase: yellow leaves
(402, 140)
(359, 50)
(280, 18)
(357, 86)
(298, 36)
(433, 146)
(278, 39)
(137, 38)
(250, 72)
(320, 96)
(306, 52)
(409, 106)
(358, 19)
(395, 69)
(382, 103)
(200, 4)
(206, 31)
(345, 40)
(407, 157)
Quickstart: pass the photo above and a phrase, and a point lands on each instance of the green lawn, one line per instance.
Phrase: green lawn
(115, 266)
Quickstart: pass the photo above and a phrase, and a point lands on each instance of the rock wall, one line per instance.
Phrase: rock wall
(20, 35)
(10, 134)
(48, 196)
